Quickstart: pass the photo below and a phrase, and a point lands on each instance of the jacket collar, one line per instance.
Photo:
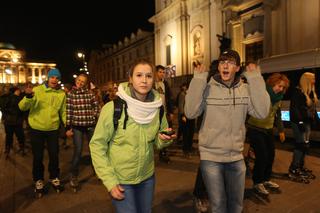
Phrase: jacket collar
(235, 83)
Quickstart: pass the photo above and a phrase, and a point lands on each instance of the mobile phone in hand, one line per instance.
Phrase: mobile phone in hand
(169, 133)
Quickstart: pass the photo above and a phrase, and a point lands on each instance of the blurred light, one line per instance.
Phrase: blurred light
(87, 73)
(8, 71)
(15, 60)
(74, 76)
(80, 55)
(62, 85)
(59, 82)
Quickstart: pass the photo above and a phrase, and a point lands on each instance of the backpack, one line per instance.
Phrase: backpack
(118, 107)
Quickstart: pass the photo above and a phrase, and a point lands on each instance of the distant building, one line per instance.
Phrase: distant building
(14, 68)
(112, 62)
(283, 34)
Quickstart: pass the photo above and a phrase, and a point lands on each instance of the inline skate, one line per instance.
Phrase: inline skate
(56, 185)
(39, 188)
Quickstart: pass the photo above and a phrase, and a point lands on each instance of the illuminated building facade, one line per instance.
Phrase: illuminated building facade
(283, 34)
(14, 69)
(113, 62)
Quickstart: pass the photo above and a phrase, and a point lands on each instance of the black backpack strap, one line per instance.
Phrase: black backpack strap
(161, 113)
(118, 106)
(125, 115)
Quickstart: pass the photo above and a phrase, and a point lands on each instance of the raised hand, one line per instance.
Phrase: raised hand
(253, 68)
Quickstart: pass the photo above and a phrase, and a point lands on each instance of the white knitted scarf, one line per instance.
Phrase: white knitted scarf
(141, 112)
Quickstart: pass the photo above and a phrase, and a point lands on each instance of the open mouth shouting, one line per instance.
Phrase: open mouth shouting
(225, 75)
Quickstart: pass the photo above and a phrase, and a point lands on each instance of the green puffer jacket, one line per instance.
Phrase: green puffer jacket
(47, 107)
(127, 155)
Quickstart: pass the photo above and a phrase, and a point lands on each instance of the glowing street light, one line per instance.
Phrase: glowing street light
(82, 56)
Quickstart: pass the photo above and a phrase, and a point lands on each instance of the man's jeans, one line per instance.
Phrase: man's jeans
(225, 183)
(138, 197)
(77, 150)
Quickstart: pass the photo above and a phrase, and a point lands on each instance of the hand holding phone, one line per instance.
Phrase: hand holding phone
(169, 133)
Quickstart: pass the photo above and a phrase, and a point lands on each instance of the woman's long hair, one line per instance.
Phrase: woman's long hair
(307, 87)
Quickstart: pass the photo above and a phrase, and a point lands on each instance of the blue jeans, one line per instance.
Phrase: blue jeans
(225, 183)
(138, 197)
(77, 147)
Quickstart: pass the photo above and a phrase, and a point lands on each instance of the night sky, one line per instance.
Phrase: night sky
(54, 33)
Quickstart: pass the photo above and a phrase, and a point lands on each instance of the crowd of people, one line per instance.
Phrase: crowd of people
(232, 101)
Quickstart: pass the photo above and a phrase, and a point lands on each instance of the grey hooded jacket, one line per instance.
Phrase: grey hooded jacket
(222, 132)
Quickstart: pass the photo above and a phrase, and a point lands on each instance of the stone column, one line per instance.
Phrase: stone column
(40, 76)
(184, 29)
(33, 78)
(2, 73)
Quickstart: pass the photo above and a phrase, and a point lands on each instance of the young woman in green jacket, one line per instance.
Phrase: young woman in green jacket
(124, 158)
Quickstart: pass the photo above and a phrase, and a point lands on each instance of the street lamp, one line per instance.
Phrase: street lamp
(82, 56)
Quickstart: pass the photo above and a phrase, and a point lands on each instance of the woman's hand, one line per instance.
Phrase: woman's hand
(184, 119)
(282, 137)
(163, 136)
(117, 192)
(69, 133)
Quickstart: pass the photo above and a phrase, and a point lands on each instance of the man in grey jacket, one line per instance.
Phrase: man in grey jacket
(226, 100)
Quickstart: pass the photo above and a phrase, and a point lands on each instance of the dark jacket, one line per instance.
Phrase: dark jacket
(168, 95)
(299, 109)
(12, 115)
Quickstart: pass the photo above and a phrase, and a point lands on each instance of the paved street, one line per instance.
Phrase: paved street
(174, 186)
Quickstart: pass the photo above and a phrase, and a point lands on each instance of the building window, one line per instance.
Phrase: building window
(168, 54)
(254, 51)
